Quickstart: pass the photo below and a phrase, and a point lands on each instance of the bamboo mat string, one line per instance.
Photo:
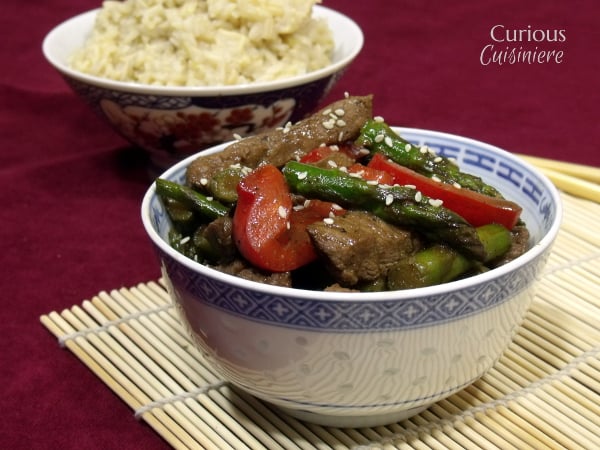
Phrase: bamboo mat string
(97, 329)
(139, 412)
(571, 264)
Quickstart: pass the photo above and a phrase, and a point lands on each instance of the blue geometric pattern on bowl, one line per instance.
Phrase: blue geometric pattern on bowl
(347, 316)
(309, 95)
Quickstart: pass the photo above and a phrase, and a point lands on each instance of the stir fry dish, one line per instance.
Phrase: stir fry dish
(339, 201)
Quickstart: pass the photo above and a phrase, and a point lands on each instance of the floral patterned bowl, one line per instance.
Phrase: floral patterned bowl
(174, 122)
(364, 359)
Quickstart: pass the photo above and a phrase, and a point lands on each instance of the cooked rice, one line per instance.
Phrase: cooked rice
(205, 42)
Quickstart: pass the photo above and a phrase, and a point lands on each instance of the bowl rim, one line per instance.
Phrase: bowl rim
(544, 243)
(207, 91)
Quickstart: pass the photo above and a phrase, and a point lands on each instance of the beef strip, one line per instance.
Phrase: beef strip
(242, 269)
(218, 235)
(337, 288)
(280, 146)
(360, 247)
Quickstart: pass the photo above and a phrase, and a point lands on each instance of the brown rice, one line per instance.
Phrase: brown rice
(204, 42)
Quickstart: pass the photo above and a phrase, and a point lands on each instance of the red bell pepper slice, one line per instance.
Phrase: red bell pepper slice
(320, 153)
(316, 155)
(477, 209)
(267, 230)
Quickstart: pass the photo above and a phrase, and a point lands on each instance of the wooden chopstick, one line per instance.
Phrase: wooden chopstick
(581, 171)
(576, 179)
(573, 185)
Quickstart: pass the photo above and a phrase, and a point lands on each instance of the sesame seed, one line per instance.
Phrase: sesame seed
(333, 116)
(346, 94)
(235, 166)
(341, 136)
(203, 181)
(456, 185)
(184, 240)
(378, 119)
(437, 159)
(343, 169)
(331, 214)
(388, 141)
(302, 175)
(340, 112)
(288, 225)
(336, 207)
(307, 203)
(210, 199)
(327, 112)
(435, 202)
(379, 138)
(410, 186)
(334, 147)
(237, 137)
(372, 182)
(298, 207)
(424, 149)
(418, 196)
(328, 220)
(329, 124)
(332, 163)
(364, 152)
(389, 199)
(407, 147)
(340, 123)
(355, 175)
(282, 212)
(436, 178)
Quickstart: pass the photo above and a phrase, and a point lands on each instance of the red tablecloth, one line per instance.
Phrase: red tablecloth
(71, 188)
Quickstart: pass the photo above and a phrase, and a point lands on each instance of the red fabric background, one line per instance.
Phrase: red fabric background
(71, 189)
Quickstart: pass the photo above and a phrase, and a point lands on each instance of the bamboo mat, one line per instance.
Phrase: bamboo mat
(543, 393)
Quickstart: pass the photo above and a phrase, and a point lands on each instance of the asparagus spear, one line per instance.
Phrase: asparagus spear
(183, 218)
(440, 263)
(400, 205)
(194, 200)
(223, 184)
(379, 137)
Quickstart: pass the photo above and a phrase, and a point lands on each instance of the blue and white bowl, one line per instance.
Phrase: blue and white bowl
(174, 122)
(364, 359)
